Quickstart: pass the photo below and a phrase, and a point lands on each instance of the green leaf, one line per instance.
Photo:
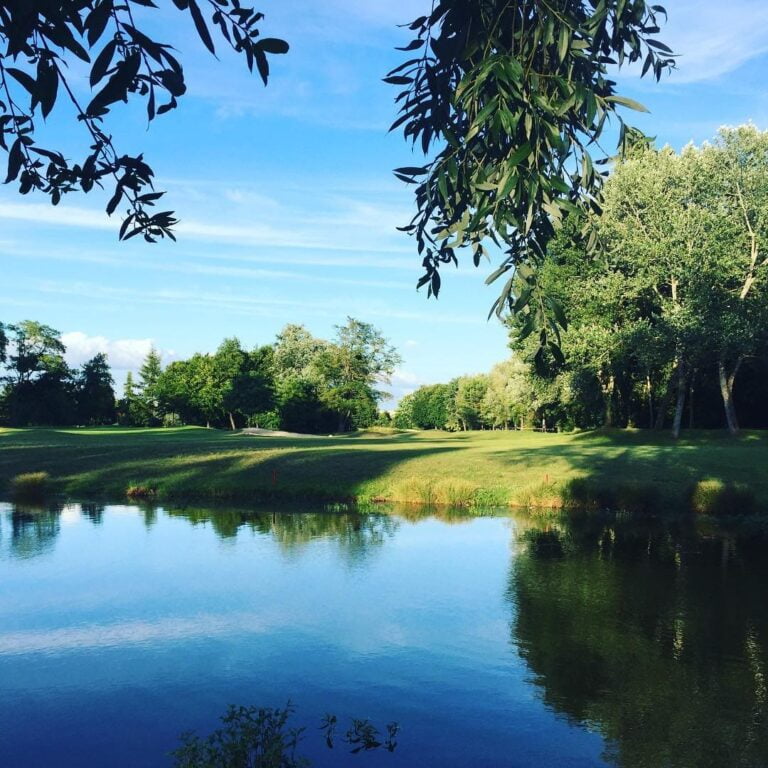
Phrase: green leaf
(201, 26)
(658, 44)
(626, 102)
(29, 82)
(519, 155)
(273, 45)
(398, 80)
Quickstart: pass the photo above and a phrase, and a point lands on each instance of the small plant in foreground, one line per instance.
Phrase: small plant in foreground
(140, 492)
(30, 486)
(258, 737)
(715, 497)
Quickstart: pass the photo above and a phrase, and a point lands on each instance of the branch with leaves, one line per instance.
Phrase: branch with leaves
(506, 100)
(38, 38)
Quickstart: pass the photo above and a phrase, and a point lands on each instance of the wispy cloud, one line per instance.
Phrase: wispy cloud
(79, 638)
(244, 304)
(255, 234)
(714, 39)
(172, 260)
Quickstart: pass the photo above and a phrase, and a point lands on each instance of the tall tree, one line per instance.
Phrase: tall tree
(36, 348)
(95, 392)
(244, 380)
(228, 362)
(130, 410)
(299, 381)
(149, 376)
(469, 401)
(353, 369)
(733, 179)
(40, 387)
(253, 388)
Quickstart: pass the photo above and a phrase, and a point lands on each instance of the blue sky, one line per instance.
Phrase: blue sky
(287, 200)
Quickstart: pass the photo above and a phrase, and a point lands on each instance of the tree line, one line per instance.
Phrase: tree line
(666, 323)
(299, 383)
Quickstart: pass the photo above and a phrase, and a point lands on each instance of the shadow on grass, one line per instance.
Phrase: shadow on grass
(631, 470)
(706, 473)
(169, 470)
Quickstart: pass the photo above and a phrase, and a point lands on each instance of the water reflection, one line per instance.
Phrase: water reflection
(356, 534)
(31, 531)
(653, 633)
(93, 512)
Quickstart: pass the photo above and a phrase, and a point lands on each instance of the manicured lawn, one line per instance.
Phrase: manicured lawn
(480, 468)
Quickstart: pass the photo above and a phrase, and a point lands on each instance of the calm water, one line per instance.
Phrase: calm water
(498, 641)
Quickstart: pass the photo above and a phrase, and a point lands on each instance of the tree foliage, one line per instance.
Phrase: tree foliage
(352, 369)
(674, 307)
(505, 99)
(95, 392)
(41, 38)
(39, 388)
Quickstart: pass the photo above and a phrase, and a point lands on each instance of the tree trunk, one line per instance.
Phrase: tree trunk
(608, 388)
(232, 421)
(661, 411)
(726, 390)
(681, 387)
(690, 401)
(650, 400)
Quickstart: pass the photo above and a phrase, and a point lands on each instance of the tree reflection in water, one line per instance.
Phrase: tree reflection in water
(652, 633)
(356, 534)
(30, 531)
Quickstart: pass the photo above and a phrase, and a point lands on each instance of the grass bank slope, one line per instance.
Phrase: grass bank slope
(624, 469)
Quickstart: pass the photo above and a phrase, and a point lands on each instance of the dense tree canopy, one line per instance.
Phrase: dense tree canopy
(95, 392)
(668, 317)
(677, 300)
(40, 388)
(299, 383)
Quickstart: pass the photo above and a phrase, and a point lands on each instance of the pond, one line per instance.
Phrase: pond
(505, 640)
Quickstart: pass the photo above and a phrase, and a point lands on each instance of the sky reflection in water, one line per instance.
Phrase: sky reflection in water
(492, 641)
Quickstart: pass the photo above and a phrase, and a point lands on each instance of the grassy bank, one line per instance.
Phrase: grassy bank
(633, 470)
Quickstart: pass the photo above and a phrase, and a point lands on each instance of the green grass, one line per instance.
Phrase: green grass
(706, 472)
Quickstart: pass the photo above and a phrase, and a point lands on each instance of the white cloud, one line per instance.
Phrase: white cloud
(123, 354)
(342, 229)
(714, 39)
(248, 305)
(400, 384)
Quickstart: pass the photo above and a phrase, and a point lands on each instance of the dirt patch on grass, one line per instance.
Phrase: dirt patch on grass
(258, 432)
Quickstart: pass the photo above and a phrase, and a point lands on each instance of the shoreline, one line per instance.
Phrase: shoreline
(703, 474)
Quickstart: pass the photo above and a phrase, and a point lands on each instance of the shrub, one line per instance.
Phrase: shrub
(30, 486)
(262, 737)
(140, 492)
(714, 497)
